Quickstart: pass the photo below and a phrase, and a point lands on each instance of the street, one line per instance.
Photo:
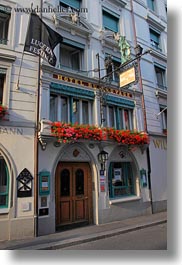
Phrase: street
(152, 238)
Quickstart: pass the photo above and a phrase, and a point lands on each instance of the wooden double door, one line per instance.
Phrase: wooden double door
(73, 194)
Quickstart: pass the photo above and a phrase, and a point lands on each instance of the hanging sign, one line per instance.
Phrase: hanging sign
(127, 77)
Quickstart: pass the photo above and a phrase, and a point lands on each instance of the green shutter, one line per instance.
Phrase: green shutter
(110, 22)
(120, 102)
(73, 43)
(71, 3)
(72, 91)
(150, 4)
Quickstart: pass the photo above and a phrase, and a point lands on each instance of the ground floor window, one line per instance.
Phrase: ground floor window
(4, 183)
(121, 181)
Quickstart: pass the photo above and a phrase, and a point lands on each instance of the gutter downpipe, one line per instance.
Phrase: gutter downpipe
(36, 144)
(143, 107)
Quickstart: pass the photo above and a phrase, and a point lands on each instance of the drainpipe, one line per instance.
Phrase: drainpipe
(36, 147)
(143, 107)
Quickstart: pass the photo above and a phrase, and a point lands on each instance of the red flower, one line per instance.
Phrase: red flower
(3, 111)
(66, 132)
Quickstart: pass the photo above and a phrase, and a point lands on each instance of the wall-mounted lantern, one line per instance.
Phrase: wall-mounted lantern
(138, 50)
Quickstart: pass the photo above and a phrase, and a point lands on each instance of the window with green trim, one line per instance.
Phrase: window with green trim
(160, 77)
(4, 184)
(71, 3)
(120, 180)
(118, 117)
(151, 4)
(71, 109)
(4, 24)
(163, 111)
(155, 39)
(110, 22)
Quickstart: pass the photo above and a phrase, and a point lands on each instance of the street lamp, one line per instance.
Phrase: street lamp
(103, 157)
(138, 50)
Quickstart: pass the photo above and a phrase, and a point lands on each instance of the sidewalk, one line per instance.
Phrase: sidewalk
(85, 234)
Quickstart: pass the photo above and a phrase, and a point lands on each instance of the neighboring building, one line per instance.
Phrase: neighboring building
(154, 72)
(17, 129)
(70, 188)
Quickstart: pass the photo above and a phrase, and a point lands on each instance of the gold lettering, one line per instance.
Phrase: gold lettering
(164, 145)
(160, 144)
(157, 143)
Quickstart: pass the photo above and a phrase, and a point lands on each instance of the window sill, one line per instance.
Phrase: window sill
(4, 210)
(126, 199)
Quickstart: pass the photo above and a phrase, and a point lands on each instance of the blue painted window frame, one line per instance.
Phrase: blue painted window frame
(6, 192)
(127, 175)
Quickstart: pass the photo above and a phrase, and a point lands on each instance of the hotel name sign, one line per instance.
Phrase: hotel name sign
(91, 85)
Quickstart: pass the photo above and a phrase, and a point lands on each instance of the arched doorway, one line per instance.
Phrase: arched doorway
(73, 195)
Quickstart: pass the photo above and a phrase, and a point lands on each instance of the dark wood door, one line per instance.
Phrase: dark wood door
(73, 193)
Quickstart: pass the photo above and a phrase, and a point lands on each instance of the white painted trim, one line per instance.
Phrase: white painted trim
(127, 199)
(3, 211)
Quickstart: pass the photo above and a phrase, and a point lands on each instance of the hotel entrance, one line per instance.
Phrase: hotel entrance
(73, 195)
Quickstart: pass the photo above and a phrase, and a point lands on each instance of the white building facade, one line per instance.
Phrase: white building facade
(58, 184)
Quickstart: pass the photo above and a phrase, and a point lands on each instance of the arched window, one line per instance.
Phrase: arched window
(121, 182)
(4, 183)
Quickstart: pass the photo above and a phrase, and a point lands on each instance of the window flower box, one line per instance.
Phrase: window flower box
(3, 111)
(66, 133)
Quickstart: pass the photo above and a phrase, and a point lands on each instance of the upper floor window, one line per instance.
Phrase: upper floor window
(70, 109)
(113, 65)
(71, 57)
(160, 77)
(163, 111)
(110, 21)
(118, 117)
(4, 183)
(151, 4)
(75, 4)
(53, 107)
(2, 84)
(4, 24)
(155, 39)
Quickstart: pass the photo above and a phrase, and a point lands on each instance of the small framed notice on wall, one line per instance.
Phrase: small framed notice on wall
(44, 183)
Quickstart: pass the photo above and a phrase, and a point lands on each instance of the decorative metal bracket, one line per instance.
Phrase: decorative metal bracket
(42, 143)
